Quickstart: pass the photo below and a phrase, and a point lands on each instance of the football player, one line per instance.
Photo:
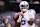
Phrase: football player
(26, 17)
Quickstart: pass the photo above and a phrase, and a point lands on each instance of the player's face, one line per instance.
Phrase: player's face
(24, 6)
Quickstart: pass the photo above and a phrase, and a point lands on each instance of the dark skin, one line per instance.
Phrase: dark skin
(16, 24)
(31, 21)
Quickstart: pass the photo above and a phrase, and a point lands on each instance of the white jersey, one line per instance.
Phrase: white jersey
(24, 20)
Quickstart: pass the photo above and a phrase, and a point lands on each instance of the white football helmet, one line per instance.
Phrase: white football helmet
(24, 3)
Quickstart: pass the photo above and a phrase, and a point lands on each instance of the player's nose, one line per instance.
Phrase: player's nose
(24, 7)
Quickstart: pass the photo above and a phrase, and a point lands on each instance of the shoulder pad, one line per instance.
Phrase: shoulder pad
(32, 11)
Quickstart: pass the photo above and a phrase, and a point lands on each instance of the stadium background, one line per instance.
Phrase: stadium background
(9, 7)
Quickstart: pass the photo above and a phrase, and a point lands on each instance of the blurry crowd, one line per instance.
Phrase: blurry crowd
(37, 19)
(12, 5)
(34, 2)
(6, 20)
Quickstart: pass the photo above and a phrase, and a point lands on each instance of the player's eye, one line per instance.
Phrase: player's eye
(22, 5)
(26, 5)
